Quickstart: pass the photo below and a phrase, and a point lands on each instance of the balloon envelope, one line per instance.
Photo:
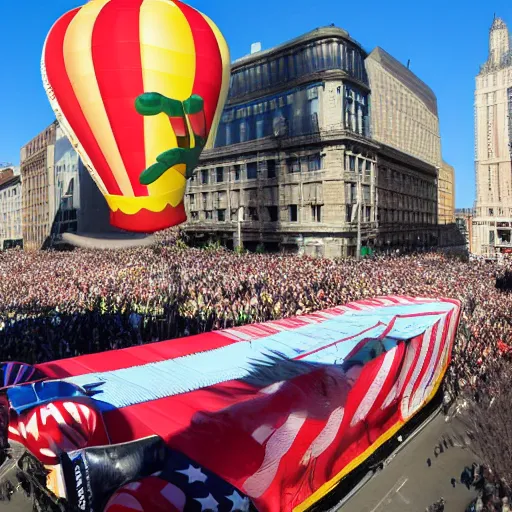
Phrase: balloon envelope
(138, 87)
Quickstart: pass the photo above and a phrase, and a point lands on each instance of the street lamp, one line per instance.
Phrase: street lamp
(239, 225)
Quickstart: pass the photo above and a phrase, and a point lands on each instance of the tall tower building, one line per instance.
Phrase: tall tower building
(492, 224)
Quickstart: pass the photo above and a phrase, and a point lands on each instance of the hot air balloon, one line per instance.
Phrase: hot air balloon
(138, 86)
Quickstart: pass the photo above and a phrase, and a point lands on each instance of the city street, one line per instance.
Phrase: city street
(409, 484)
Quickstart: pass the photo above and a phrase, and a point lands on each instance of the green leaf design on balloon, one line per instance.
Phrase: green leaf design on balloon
(184, 114)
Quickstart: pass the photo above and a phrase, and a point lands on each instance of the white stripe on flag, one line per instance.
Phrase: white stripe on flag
(277, 447)
(326, 436)
(405, 405)
(375, 388)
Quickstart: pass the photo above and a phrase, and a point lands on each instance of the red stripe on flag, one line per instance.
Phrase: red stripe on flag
(134, 356)
(430, 340)
(415, 345)
(68, 102)
(118, 66)
(208, 79)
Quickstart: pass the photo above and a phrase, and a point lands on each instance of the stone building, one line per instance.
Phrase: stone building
(36, 163)
(294, 167)
(10, 208)
(404, 109)
(446, 194)
(464, 222)
(492, 224)
(61, 202)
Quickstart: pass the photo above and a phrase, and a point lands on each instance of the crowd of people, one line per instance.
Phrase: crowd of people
(59, 304)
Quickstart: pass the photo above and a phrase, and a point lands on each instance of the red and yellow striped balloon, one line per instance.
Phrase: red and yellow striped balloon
(97, 60)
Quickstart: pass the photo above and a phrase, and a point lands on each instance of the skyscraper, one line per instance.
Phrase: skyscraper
(492, 224)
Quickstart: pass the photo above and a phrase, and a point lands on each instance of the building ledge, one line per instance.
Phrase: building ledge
(324, 136)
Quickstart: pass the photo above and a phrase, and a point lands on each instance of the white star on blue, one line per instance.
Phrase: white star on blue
(239, 503)
(193, 474)
(208, 503)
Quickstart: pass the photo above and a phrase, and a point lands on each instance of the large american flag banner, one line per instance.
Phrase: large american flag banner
(279, 412)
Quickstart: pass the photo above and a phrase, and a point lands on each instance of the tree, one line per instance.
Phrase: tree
(484, 414)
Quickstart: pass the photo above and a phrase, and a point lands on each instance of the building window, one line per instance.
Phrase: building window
(314, 162)
(229, 138)
(244, 131)
(192, 199)
(220, 174)
(491, 212)
(292, 210)
(293, 165)
(208, 214)
(366, 193)
(316, 213)
(204, 176)
(204, 196)
(253, 213)
(237, 172)
(194, 215)
(271, 168)
(252, 170)
(352, 163)
(360, 165)
(273, 213)
(350, 193)
(367, 214)
(260, 128)
(348, 213)
(221, 215)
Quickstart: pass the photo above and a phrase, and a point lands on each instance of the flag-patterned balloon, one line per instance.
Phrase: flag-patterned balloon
(138, 86)
(294, 404)
(58, 426)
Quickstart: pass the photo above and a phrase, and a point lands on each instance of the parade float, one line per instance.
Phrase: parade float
(268, 417)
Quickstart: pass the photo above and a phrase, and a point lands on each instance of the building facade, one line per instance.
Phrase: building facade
(36, 164)
(446, 194)
(492, 224)
(61, 202)
(66, 190)
(10, 208)
(78, 205)
(403, 109)
(464, 222)
(294, 167)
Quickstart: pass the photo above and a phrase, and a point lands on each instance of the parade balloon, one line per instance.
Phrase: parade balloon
(268, 417)
(138, 87)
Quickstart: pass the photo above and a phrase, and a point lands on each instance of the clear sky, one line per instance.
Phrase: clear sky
(446, 41)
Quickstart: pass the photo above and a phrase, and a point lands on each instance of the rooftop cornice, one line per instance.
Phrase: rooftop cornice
(309, 37)
(10, 182)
